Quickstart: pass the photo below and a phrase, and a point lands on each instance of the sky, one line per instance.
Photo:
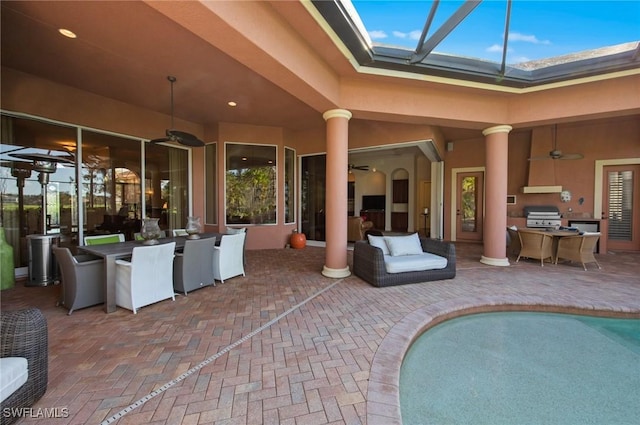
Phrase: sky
(537, 29)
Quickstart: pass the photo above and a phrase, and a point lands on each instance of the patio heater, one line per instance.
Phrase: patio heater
(21, 171)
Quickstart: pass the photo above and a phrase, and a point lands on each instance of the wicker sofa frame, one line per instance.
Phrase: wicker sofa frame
(23, 333)
(368, 264)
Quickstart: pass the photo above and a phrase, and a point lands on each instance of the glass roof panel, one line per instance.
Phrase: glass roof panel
(538, 30)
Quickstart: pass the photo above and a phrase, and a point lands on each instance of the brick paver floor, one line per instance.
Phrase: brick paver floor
(283, 345)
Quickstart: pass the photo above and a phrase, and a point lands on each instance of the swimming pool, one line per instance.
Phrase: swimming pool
(523, 368)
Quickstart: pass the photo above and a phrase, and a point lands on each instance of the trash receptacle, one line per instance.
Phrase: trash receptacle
(43, 268)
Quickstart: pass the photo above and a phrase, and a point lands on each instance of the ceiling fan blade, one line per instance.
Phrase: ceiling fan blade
(185, 138)
(160, 140)
(572, 156)
(67, 159)
(359, 167)
(538, 158)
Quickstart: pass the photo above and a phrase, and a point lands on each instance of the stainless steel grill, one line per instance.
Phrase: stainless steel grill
(542, 216)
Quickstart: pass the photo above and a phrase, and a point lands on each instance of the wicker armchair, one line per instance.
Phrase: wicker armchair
(23, 333)
(535, 244)
(513, 242)
(357, 228)
(578, 248)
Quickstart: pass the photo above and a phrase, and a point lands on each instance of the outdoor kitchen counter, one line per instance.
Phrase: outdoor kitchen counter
(521, 222)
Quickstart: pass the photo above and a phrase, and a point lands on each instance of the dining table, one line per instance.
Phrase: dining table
(112, 252)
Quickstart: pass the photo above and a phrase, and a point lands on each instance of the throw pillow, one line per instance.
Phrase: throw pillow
(379, 242)
(404, 245)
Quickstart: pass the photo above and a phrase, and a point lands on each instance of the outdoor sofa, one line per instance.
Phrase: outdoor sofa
(369, 263)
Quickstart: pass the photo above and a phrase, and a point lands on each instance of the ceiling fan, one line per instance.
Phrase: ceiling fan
(173, 135)
(358, 167)
(556, 153)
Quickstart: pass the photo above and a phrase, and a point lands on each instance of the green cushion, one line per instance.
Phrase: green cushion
(102, 241)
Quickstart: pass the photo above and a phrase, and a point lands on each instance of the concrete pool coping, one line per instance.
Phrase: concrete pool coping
(383, 392)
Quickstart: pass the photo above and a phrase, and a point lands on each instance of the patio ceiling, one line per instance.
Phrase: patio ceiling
(126, 50)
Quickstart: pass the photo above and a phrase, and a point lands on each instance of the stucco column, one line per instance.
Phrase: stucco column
(495, 218)
(336, 196)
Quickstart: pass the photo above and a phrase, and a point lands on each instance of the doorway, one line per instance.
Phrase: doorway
(621, 207)
(424, 205)
(468, 202)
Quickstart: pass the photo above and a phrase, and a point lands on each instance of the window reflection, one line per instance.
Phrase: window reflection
(111, 184)
(36, 196)
(250, 184)
(312, 196)
(289, 185)
(166, 187)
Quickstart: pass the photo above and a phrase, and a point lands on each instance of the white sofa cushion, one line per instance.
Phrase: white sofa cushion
(379, 242)
(414, 263)
(14, 372)
(404, 245)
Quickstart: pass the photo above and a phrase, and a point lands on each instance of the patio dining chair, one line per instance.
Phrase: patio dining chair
(82, 279)
(513, 241)
(147, 278)
(193, 268)
(578, 248)
(227, 258)
(236, 230)
(535, 244)
(104, 239)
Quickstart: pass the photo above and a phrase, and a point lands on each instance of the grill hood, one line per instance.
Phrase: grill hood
(542, 173)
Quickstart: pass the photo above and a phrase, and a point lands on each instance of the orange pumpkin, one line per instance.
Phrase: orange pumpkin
(298, 240)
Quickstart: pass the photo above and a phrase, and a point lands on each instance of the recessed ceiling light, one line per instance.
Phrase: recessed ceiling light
(232, 103)
(244, 158)
(67, 33)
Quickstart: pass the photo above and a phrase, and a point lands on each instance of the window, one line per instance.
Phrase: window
(109, 194)
(250, 187)
(111, 184)
(312, 196)
(211, 183)
(37, 197)
(620, 205)
(289, 185)
(167, 194)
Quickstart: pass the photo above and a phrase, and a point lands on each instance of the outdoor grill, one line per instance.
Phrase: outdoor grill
(542, 216)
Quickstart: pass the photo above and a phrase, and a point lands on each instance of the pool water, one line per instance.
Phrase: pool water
(523, 368)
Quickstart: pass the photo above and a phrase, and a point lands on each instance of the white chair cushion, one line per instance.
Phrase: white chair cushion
(414, 263)
(378, 241)
(404, 245)
(13, 374)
